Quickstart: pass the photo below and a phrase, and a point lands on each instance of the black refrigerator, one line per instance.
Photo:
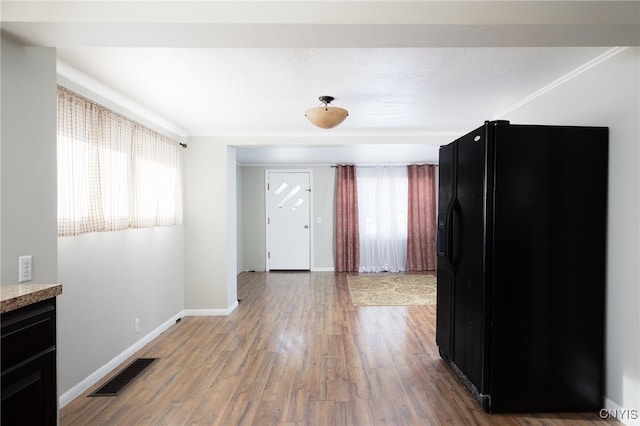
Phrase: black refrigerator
(521, 265)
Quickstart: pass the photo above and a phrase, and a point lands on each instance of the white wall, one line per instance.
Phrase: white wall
(240, 214)
(252, 219)
(28, 168)
(210, 227)
(109, 279)
(253, 216)
(232, 228)
(324, 184)
(609, 95)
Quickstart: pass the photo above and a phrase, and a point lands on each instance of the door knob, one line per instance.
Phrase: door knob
(306, 227)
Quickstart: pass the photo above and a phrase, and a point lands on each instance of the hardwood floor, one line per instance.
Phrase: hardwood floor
(296, 352)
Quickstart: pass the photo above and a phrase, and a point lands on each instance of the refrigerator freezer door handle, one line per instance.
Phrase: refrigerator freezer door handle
(440, 244)
(449, 233)
(455, 230)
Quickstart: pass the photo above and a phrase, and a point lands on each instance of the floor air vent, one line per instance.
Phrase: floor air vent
(124, 378)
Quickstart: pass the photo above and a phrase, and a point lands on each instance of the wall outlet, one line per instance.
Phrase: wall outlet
(136, 325)
(25, 264)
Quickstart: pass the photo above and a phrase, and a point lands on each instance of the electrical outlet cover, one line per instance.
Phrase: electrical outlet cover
(24, 268)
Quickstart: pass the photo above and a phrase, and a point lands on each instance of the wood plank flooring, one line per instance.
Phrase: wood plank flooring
(296, 352)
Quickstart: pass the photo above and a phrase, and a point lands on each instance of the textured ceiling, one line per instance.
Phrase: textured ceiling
(266, 91)
(406, 71)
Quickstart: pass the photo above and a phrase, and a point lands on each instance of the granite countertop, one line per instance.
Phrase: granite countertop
(16, 296)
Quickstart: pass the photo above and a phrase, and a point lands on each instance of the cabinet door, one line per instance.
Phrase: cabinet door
(28, 359)
(468, 254)
(28, 393)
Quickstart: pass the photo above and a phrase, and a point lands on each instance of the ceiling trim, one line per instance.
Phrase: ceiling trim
(569, 76)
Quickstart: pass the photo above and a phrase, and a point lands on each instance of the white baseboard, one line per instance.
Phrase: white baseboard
(210, 312)
(323, 269)
(94, 377)
(101, 372)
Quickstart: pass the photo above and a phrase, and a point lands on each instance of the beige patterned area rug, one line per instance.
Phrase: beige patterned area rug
(392, 290)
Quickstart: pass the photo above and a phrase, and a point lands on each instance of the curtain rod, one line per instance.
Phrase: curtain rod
(386, 165)
(124, 117)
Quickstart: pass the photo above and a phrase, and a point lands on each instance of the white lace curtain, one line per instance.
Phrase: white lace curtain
(113, 173)
(382, 209)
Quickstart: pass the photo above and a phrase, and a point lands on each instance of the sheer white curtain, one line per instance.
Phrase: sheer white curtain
(157, 188)
(113, 173)
(382, 208)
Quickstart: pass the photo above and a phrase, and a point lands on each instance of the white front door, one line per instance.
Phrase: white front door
(288, 220)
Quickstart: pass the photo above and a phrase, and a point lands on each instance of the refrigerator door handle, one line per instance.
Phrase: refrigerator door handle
(455, 234)
(449, 233)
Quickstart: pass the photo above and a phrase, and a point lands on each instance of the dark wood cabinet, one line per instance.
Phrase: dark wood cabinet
(28, 363)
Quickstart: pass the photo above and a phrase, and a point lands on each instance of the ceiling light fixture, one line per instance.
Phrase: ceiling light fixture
(326, 116)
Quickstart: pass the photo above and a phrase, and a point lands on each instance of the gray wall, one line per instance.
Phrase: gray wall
(28, 161)
(108, 279)
(210, 226)
(239, 214)
(252, 192)
(609, 95)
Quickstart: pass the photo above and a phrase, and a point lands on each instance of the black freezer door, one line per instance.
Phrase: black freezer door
(467, 253)
(460, 328)
(444, 295)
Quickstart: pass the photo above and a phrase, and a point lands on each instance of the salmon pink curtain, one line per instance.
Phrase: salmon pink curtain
(347, 236)
(421, 238)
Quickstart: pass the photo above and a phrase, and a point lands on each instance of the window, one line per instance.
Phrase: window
(382, 208)
(113, 173)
